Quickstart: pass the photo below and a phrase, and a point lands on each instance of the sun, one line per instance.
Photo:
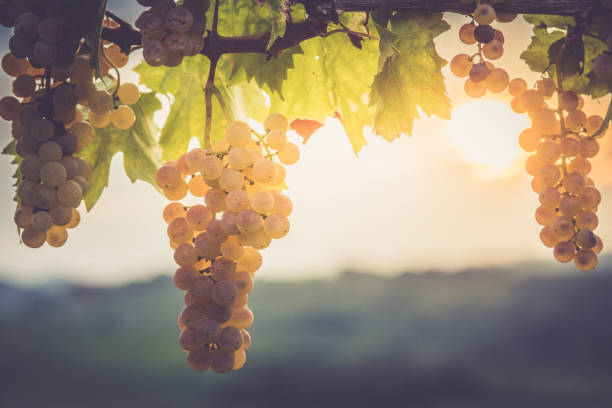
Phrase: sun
(487, 133)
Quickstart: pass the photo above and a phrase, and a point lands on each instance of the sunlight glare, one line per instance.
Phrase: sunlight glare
(487, 133)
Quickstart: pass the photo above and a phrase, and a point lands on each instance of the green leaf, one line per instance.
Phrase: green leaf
(331, 76)
(278, 11)
(269, 72)
(138, 145)
(537, 56)
(549, 21)
(410, 76)
(355, 21)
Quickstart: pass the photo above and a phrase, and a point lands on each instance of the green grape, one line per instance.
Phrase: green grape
(44, 196)
(574, 183)
(225, 293)
(222, 362)
(250, 261)
(497, 80)
(570, 205)
(215, 200)
(174, 210)
(123, 117)
(231, 249)
(262, 202)
(100, 102)
(244, 282)
(239, 158)
(586, 239)
(263, 169)
(237, 201)
(474, 89)
(210, 167)
(276, 139)
(532, 99)
(589, 147)
(590, 197)
(228, 221)
(57, 236)
(259, 239)
(215, 231)
(189, 340)
(179, 230)
(493, 50)
(240, 360)
(484, 14)
(548, 237)
(219, 313)
(50, 152)
(53, 174)
(200, 291)
(24, 86)
(549, 197)
(33, 238)
(580, 165)
(69, 193)
(230, 339)
(192, 316)
(242, 318)
(168, 176)
(23, 216)
(223, 269)
(564, 252)
(41, 221)
(41, 129)
(128, 93)
(466, 33)
(9, 108)
(549, 175)
(276, 122)
(568, 100)
(517, 87)
(248, 221)
(547, 87)
(198, 217)
(206, 247)
(185, 255)
(562, 226)
(238, 134)
(587, 219)
(570, 147)
(230, 180)
(184, 277)
(545, 215)
(30, 168)
(575, 120)
(208, 331)
(276, 226)
(200, 359)
(585, 260)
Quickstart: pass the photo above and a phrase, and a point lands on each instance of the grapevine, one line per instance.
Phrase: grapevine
(224, 66)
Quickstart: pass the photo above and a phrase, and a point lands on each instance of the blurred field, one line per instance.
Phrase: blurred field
(521, 337)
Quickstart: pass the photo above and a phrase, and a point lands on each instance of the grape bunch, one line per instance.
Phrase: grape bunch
(216, 243)
(171, 32)
(47, 118)
(482, 75)
(562, 141)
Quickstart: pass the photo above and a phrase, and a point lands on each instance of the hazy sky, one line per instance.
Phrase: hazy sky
(420, 202)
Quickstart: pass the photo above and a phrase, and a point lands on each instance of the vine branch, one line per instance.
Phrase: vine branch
(209, 89)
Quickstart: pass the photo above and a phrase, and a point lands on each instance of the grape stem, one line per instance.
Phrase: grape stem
(210, 89)
(559, 109)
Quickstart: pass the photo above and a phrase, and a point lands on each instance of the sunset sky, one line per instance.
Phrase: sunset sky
(453, 195)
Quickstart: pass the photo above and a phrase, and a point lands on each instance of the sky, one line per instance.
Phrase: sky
(452, 195)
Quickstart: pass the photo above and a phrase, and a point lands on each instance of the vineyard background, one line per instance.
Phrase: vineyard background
(530, 334)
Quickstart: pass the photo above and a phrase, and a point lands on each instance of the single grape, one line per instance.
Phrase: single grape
(564, 251)
(259, 239)
(33, 238)
(585, 260)
(237, 201)
(517, 87)
(242, 318)
(123, 117)
(53, 174)
(23, 216)
(223, 269)
(184, 277)
(484, 34)
(210, 167)
(461, 65)
(222, 362)
(493, 50)
(128, 93)
(56, 236)
(244, 283)
(587, 219)
(41, 221)
(580, 165)
(200, 291)
(562, 226)
(30, 168)
(69, 193)
(251, 260)
(484, 14)
(179, 230)
(231, 179)
(570, 205)
(208, 331)
(206, 247)
(185, 255)
(547, 87)
(215, 199)
(497, 80)
(545, 215)
(474, 89)
(238, 133)
(466, 33)
(590, 197)
(570, 147)
(575, 120)
(189, 340)
(225, 293)
(574, 183)
(200, 359)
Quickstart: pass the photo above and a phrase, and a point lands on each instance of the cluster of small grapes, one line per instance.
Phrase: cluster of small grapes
(561, 140)
(482, 75)
(171, 32)
(46, 114)
(217, 245)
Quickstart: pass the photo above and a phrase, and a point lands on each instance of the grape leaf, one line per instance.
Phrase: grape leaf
(184, 85)
(138, 145)
(330, 76)
(269, 72)
(11, 150)
(278, 17)
(545, 46)
(355, 21)
(536, 56)
(410, 74)
(305, 127)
